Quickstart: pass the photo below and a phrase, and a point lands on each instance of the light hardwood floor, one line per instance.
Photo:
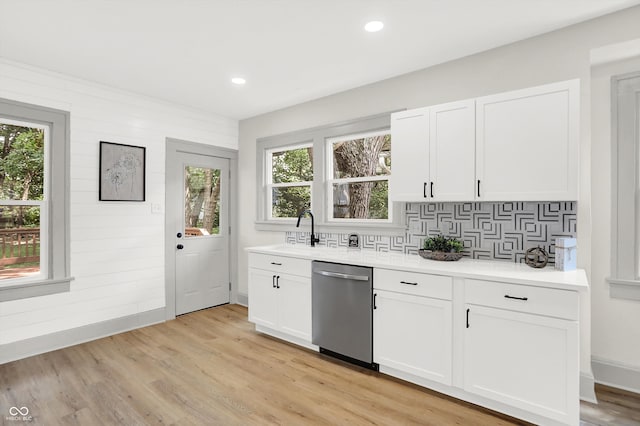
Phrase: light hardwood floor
(210, 367)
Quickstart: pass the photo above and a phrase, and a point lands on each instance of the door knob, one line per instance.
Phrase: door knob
(179, 235)
(179, 246)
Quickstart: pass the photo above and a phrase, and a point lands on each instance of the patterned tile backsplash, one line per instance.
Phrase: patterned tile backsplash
(498, 231)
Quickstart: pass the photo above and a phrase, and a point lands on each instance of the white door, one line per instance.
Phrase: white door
(452, 151)
(527, 144)
(202, 232)
(294, 305)
(521, 360)
(413, 334)
(410, 155)
(263, 298)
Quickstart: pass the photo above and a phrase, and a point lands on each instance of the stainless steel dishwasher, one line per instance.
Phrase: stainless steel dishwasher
(342, 314)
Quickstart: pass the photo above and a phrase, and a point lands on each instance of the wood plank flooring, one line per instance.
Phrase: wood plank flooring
(210, 367)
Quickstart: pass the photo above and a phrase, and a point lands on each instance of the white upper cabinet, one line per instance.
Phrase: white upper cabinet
(515, 146)
(527, 144)
(409, 155)
(452, 151)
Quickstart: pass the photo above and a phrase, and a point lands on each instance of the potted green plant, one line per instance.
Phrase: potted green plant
(442, 248)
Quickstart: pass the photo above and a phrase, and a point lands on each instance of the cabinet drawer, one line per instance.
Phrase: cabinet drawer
(289, 265)
(414, 283)
(523, 298)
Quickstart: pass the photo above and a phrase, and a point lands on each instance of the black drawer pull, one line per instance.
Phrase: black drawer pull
(278, 281)
(276, 263)
(431, 189)
(273, 281)
(514, 297)
(467, 317)
(424, 190)
(408, 283)
(374, 300)
(478, 187)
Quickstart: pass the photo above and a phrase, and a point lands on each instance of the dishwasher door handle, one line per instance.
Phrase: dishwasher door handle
(342, 276)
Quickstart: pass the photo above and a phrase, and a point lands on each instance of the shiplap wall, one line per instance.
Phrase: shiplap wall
(117, 255)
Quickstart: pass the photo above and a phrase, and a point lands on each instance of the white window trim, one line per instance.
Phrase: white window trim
(624, 282)
(56, 219)
(317, 137)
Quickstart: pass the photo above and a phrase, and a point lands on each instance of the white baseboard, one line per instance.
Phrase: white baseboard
(587, 388)
(37, 345)
(242, 299)
(616, 374)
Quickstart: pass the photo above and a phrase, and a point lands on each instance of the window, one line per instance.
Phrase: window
(625, 250)
(23, 200)
(359, 167)
(341, 172)
(34, 223)
(289, 180)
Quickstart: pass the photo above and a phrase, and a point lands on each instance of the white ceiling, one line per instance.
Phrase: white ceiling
(290, 51)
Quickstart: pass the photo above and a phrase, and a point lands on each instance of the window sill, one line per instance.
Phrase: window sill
(624, 289)
(386, 229)
(29, 289)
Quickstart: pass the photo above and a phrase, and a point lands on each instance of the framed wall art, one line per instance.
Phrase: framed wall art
(122, 172)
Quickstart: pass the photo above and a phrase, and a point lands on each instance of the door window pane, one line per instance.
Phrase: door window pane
(19, 241)
(202, 201)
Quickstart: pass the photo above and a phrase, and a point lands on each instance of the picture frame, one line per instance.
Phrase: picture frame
(122, 172)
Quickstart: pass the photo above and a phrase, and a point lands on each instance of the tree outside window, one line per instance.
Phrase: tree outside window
(359, 171)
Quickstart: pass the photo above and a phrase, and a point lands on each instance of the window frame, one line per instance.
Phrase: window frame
(318, 136)
(624, 282)
(270, 184)
(56, 222)
(331, 180)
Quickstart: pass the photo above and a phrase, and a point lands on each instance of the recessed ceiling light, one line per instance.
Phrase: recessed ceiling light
(238, 80)
(373, 26)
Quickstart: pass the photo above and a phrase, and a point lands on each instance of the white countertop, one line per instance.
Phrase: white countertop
(517, 273)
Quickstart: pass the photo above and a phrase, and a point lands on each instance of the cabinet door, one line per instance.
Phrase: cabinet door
(527, 361)
(452, 150)
(294, 306)
(413, 334)
(409, 155)
(527, 144)
(263, 305)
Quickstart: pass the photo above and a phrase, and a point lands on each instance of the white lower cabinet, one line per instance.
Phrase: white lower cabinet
(521, 347)
(281, 302)
(413, 334)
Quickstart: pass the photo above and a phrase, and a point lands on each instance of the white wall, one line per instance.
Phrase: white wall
(117, 248)
(615, 322)
(560, 55)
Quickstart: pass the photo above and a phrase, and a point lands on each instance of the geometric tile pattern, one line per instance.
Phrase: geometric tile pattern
(498, 231)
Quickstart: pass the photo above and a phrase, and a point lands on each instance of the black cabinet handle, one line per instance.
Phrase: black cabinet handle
(478, 187)
(424, 190)
(374, 300)
(514, 297)
(278, 281)
(408, 283)
(467, 317)
(431, 189)
(276, 263)
(273, 281)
